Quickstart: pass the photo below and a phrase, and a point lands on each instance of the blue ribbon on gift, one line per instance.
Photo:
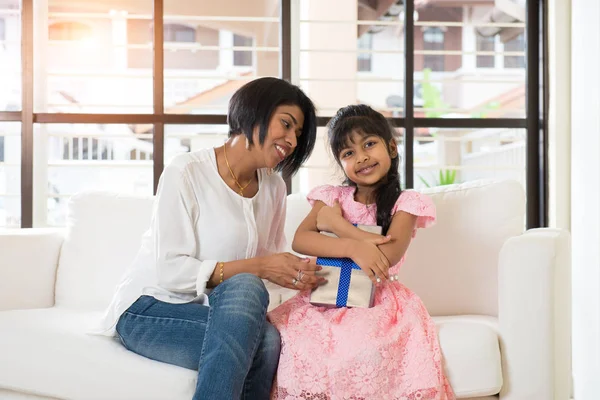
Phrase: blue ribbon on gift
(346, 265)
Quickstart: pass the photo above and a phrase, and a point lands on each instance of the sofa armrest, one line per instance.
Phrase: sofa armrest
(534, 315)
(28, 262)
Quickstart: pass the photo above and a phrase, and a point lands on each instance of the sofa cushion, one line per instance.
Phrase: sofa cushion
(453, 266)
(47, 352)
(104, 232)
(41, 347)
(471, 350)
(28, 267)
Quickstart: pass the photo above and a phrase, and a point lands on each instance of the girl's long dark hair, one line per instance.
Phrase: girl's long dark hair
(366, 121)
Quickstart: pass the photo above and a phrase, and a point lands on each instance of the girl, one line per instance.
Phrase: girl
(389, 351)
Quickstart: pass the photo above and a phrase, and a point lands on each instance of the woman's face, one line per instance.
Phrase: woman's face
(283, 132)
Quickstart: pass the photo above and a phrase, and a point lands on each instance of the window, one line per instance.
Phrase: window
(78, 148)
(365, 42)
(485, 43)
(2, 29)
(210, 52)
(179, 33)
(433, 40)
(242, 58)
(69, 31)
(516, 44)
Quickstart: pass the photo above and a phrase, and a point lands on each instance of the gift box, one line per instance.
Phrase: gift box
(347, 285)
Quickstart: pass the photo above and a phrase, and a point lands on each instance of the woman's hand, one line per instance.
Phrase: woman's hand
(327, 217)
(292, 272)
(370, 259)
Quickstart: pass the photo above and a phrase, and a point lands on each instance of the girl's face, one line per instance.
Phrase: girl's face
(283, 132)
(366, 159)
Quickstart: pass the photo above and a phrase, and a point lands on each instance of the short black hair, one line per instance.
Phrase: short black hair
(254, 104)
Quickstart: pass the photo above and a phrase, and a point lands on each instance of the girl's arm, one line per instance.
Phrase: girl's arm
(401, 230)
(310, 242)
(330, 219)
(398, 236)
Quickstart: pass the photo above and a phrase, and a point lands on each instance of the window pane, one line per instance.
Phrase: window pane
(201, 75)
(10, 55)
(322, 168)
(434, 40)
(185, 138)
(242, 58)
(86, 60)
(461, 69)
(342, 62)
(485, 44)
(179, 33)
(448, 156)
(93, 157)
(515, 45)
(365, 42)
(10, 174)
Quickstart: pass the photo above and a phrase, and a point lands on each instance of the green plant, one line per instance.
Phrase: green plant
(483, 112)
(432, 98)
(446, 177)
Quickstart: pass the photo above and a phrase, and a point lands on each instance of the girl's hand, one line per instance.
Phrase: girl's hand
(292, 272)
(370, 259)
(327, 216)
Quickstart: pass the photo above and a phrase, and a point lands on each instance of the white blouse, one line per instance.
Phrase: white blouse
(198, 221)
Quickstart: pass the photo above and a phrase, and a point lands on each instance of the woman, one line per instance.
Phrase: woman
(194, 296)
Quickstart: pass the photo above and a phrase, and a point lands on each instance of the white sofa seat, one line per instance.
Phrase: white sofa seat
(499, 296)
(48, 352)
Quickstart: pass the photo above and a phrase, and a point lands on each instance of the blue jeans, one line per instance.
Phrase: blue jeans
(231, 344)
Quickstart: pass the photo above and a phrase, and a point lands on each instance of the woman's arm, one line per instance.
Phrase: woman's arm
(178, 269)
(175, 242)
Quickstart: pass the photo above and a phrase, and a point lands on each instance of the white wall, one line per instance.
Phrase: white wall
(559, 123)
(585, 192)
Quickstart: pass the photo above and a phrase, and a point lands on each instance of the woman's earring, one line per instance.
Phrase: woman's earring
(247, 144)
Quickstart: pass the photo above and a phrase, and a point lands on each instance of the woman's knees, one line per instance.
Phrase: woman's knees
(247, 288)
(272, 339)
(270, 346)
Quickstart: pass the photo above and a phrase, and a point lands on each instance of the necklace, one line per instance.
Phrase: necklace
(241, 192)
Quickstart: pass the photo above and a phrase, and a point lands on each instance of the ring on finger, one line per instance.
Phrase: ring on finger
(300, 275)
(294, 281)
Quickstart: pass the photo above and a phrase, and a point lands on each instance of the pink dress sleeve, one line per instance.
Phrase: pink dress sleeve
(326, 193)
(418, 204)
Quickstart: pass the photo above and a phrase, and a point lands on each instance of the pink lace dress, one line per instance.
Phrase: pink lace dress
(390, 351)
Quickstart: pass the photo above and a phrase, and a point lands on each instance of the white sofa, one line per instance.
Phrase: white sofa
(499, 295)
